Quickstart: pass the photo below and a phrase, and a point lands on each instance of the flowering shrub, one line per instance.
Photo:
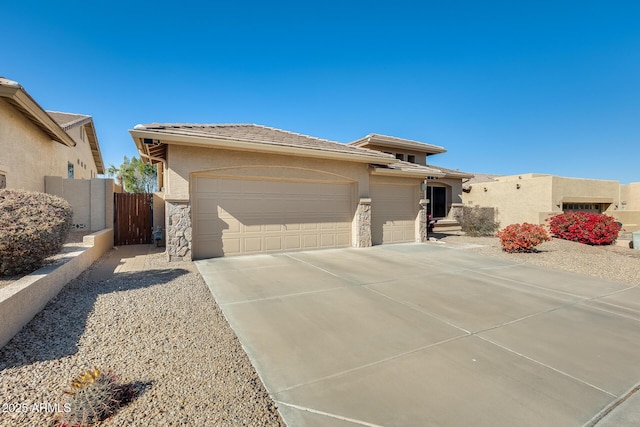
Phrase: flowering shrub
(585, 227)
(33, 226)
(522, 237)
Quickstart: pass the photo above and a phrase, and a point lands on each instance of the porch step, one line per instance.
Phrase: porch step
(444, 225)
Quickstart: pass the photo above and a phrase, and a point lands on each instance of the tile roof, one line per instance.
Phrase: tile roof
(68, 120)
(259, 134)
(413, 167)
(453, 172)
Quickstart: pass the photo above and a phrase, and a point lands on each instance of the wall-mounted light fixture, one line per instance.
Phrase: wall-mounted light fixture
(485, 189)
(518, 186)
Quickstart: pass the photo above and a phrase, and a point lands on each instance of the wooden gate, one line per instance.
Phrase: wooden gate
(133, 218)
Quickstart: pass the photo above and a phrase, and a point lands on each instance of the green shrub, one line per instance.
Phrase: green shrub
(33, 226)
(585, 227)
(478, 221)
(522, 237)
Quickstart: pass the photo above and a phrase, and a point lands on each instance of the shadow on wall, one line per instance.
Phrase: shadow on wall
(55, 331)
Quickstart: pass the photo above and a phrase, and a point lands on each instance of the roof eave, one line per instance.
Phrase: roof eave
(235, 145)
(95, 146)
(393, 142)
(406, 173)
(23, 102)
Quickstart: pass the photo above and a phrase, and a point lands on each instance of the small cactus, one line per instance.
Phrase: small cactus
(93, 397)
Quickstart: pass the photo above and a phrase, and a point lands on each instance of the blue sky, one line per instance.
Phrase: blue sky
(507, 87)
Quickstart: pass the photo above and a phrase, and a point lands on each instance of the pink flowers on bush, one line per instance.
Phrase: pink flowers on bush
(585, 227)
(522, 237)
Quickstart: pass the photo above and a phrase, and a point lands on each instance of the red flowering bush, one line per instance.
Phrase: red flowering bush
(585, 227)
(522, 237)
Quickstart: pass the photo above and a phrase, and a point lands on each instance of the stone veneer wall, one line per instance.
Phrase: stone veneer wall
(422, 221)
(363, 224)
(179, 232)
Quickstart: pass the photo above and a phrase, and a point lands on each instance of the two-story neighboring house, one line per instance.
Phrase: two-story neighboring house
(444, 191)
(35, 143)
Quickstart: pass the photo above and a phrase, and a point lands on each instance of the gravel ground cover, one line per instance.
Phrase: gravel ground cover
(159, 330)
(612, 262)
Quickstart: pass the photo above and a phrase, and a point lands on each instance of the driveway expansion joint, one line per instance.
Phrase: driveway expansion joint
(326, 414)
(547, 366)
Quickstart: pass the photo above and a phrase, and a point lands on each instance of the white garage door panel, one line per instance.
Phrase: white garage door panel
(393, 213)
(234, 217)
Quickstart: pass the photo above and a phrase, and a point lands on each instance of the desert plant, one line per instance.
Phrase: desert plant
(477, 221)
(33, 226)
(93, 397)
(522, 237)
(585, 227)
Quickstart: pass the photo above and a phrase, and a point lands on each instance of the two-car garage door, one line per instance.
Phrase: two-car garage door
(248, 216)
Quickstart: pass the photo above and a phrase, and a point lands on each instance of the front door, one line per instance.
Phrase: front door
(437, 201)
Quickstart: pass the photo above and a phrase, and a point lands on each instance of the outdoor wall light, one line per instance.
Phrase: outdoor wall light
(518, 186)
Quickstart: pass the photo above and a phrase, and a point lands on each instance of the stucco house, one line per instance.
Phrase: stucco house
(534, 197)
(35, 143)
(443, 192)
(234, 189)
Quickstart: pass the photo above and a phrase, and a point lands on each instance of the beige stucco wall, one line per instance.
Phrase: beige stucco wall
(421, 158)
(630, 196)
(585, 190)
(83, 164)
(91, 200)
(513, 204)
(27, 154)
(541, 196)
(183, 161)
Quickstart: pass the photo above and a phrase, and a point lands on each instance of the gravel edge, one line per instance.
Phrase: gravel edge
(187, 364)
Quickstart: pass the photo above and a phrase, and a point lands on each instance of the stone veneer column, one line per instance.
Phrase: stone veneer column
(362, 226)
(178, 231)
(421, 226)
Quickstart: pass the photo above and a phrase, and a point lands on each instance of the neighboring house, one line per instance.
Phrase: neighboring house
(534, 197)
(242, 189)
(35, 143)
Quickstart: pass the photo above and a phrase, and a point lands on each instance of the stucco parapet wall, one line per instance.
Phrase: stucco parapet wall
(179, 231)
(26, 297)
(362, 224)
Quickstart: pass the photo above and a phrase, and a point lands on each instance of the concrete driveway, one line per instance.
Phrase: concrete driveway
(425, 335)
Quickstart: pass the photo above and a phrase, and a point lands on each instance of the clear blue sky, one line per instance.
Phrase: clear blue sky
(507, 87)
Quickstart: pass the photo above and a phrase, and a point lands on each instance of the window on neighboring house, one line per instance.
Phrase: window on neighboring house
(3, 181)
(411, 158)
(400, 156)
(582, 207)
(70, 170)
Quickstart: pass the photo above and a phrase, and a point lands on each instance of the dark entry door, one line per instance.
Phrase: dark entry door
(437, 201)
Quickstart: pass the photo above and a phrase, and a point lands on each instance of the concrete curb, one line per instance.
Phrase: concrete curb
(22, 300)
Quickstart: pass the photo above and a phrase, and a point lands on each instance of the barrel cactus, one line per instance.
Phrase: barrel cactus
(93, 397)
